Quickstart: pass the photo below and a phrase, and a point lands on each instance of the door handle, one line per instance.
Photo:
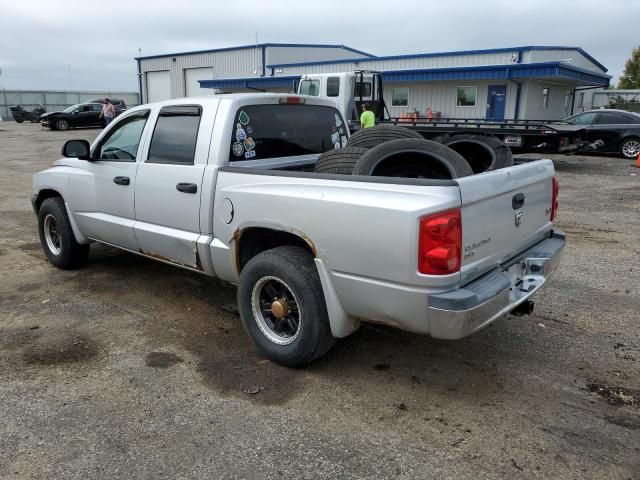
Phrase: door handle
(121, 180)
(187, 187)
(517, 201)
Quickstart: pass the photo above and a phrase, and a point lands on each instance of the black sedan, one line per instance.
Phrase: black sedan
(618, 130)
(80, 115)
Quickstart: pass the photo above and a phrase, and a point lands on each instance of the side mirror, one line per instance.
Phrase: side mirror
(79, 149)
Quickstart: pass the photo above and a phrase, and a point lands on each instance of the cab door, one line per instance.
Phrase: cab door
(168, 186)
(101, 190)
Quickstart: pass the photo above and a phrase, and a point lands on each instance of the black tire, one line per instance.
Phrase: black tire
(291, 267)
(412, 158)
(373, 136)
(70, 254)
(62, 124)
(483, 153)
(19, 120)
(630, 148)
(339, 161)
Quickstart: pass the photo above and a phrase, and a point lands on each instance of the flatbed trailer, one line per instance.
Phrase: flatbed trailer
(522, 136)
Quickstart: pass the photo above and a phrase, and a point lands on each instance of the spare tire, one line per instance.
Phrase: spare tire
(370, 137)
(412, 158)
(483, 153)
(338, 161)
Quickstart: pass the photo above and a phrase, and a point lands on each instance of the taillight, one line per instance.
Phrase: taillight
(555, 187)
(439, 246)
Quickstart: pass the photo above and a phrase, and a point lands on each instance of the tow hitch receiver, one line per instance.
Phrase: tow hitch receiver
(525, 308)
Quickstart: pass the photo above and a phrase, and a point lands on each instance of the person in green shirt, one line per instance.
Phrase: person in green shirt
(367, 119)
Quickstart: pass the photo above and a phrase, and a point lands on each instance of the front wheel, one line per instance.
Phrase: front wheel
(62, 125)
(56, 236)
(282, 306)
(630, 148)
(19, 120)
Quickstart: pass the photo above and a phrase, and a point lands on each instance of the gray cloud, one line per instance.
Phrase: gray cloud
(90, 44)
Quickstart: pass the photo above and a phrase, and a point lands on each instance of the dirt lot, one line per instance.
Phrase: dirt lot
(135, 369)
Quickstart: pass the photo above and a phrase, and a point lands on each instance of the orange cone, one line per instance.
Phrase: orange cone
(638, 161)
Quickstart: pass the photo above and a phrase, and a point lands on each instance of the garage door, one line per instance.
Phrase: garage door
(158, 86)
(191, 85)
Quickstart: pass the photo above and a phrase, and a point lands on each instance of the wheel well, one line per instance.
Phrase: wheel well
(628, 137)
(43, 195)
(255, 240)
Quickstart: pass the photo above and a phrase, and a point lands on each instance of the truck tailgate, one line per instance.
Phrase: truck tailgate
(503, 213)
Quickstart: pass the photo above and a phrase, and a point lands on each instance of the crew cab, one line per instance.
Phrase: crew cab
(224, 186)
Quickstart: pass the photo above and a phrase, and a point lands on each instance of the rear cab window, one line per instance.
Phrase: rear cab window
(310, 87)
(285, 130)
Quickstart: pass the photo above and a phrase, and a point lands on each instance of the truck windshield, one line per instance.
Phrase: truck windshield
(270, 131)
(310, 87)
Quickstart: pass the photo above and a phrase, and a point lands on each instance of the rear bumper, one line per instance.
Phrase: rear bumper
(460, 313)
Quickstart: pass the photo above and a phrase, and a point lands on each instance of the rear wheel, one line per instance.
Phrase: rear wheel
(412, 158)
(56, 236)
(630, 148)
(339, 161)
(282, 306)
(19, 120)
(62, 124)
(370, 137)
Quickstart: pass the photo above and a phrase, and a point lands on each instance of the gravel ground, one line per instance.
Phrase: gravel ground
(134, 369)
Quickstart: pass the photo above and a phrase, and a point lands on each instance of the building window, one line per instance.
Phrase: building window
(399, 97)
(545, 97)
(580, 100)
(466, 96)
(333, 86)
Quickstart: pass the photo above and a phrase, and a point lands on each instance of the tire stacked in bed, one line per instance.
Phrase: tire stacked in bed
(389, 150)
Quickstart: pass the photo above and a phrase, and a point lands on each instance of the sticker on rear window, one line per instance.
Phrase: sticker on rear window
(338, 121)
(240, 133)
(335, 137)
(250, 154)
(237, 149)
(249, 144)
(243, 118)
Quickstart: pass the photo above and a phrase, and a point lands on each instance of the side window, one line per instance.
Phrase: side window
(310, 87)
(96, 107)
(582, 119)
(175, 135)
(121, 143)
(333, 86)
(608, 118)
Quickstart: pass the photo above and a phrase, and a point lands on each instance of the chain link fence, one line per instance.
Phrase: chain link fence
(54, 100)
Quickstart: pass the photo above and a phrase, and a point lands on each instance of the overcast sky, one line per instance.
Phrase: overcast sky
(90, 44)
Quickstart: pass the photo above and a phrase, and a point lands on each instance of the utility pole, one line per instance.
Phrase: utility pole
(69, 72)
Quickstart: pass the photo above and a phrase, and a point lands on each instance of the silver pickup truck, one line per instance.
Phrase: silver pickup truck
(225, 186)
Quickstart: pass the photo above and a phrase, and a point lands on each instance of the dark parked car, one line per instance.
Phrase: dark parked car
(80, 115)
(618, 130)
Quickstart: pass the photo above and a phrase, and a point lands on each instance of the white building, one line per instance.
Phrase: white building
(532, 82)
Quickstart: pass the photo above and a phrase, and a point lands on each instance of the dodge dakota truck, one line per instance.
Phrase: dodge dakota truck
(225, 186)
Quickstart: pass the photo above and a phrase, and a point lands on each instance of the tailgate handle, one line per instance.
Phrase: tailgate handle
(517, 201)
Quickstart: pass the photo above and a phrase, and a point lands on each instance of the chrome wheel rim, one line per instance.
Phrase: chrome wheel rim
(51, 235)
(276, 310)
(631, 148)
(62, 124)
